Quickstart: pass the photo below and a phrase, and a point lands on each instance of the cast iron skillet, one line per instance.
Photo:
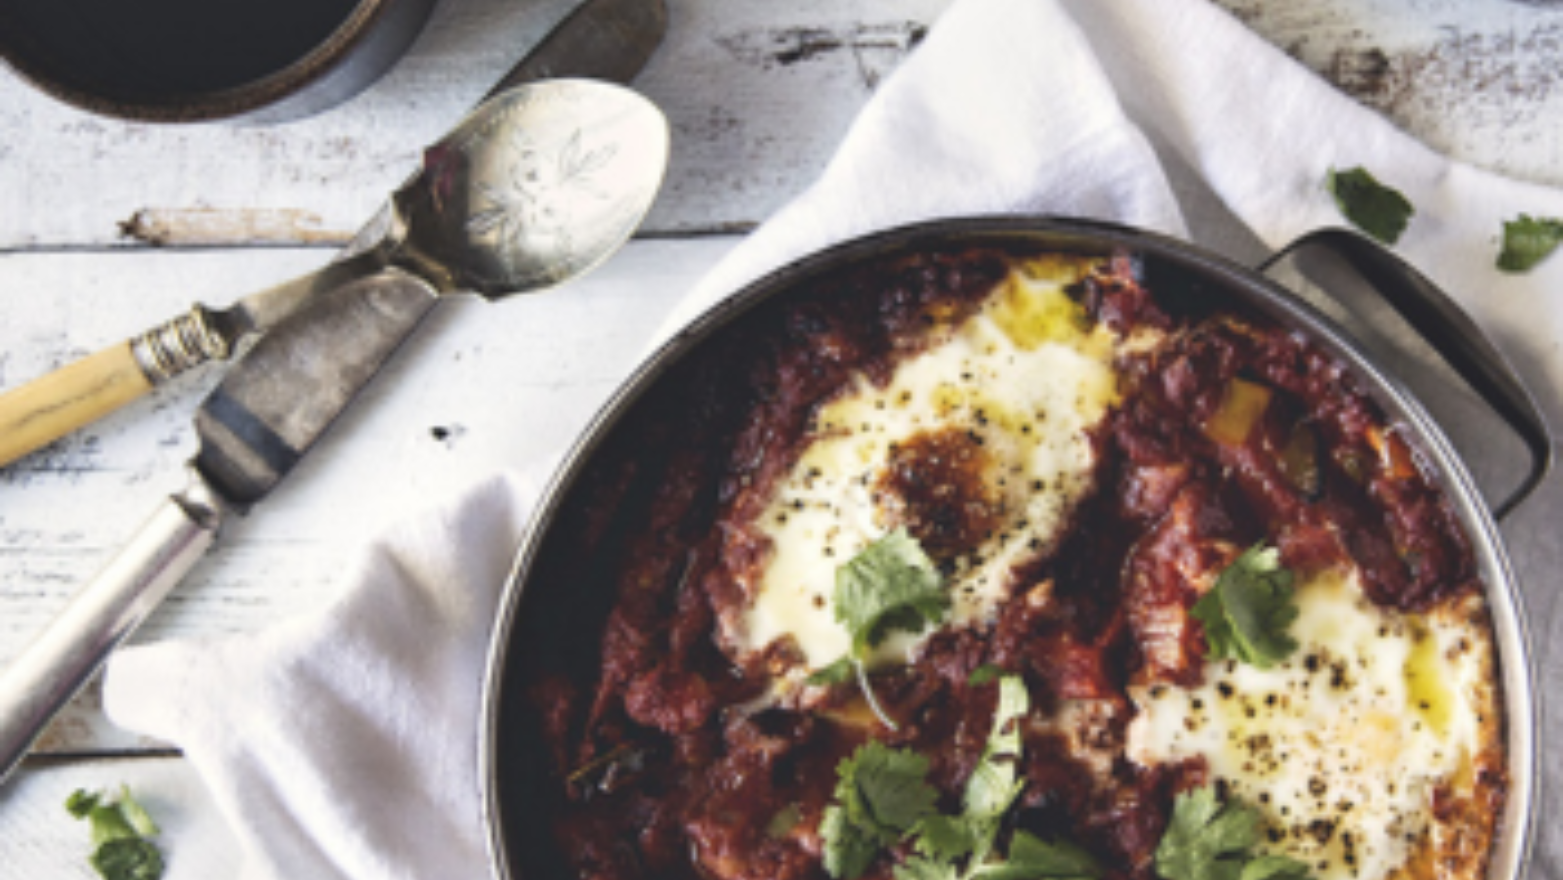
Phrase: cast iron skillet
(294, 58)
(512, 760)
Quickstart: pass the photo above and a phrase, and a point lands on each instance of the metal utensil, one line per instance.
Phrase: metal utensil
(601, 39)
(538, 185)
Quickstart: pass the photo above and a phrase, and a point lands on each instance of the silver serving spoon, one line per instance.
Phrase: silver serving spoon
(602, 39)
(537, 186)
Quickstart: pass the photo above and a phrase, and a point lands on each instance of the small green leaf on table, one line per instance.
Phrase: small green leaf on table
(1527, 241)
(1380, 211)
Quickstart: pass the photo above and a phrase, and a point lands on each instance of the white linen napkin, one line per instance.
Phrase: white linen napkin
(343, 745)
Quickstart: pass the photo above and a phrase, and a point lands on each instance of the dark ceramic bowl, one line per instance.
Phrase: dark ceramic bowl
(197, 60)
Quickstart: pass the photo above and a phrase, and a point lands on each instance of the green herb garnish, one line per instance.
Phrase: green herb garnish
(1376, 209)
(1247, 612)
(839, 672)
(1209, 840)
(782, 823)
(1527, 241)
(120, 831)
(891, 585)
(984, 674)
(958, 847)
(1033, 859)
(944, 842)
(881, 793)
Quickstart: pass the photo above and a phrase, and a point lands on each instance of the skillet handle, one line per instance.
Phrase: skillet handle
(1452, 335)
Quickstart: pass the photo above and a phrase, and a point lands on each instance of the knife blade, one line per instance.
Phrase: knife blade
(257, 424)
(601, 39)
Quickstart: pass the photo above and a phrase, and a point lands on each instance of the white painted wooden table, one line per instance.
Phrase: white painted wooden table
(108, 228)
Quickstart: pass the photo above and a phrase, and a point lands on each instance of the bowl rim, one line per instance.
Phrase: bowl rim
(273, 90)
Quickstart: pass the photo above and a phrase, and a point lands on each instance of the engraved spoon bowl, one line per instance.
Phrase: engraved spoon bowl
(539, 185)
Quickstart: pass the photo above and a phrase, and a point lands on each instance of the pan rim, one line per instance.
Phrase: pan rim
(1511, 849)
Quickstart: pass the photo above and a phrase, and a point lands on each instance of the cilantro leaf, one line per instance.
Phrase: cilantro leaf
(128, 858)
(81, 802)
(135, 814)
(882, 797)
(993, 787)
(783, 821)
(1376, 209)
(984, 674)
(1247, 612)
(919, 868)
(1031, 858)
(1206, 840)
(881, 793)
(990, 791)
(839, 672)
(1209, 840)
(120, 828)
(946, 838)
(891, 585)
(109, 823)
(1527, 241)
(1274, 868)
(849, 848)
(892, 784)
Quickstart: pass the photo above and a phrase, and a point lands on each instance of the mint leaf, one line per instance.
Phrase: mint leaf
(1209, 840)
(1376, 209)
(891, 585)
(1527, 241)
(1247, 613)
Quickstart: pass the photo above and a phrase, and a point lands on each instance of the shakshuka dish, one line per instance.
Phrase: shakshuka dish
(986, 563)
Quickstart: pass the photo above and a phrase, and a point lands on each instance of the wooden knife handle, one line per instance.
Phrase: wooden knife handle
(53, 405)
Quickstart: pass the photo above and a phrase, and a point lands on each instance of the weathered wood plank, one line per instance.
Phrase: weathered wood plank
(1476, 79)
(482, 387)
(758, 94)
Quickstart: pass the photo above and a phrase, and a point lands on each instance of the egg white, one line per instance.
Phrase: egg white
(1341, 746)
(1027, 376)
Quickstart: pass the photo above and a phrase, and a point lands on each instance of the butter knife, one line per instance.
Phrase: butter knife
(324, 344)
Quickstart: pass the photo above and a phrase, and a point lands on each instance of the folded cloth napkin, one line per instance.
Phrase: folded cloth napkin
(343, 745)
